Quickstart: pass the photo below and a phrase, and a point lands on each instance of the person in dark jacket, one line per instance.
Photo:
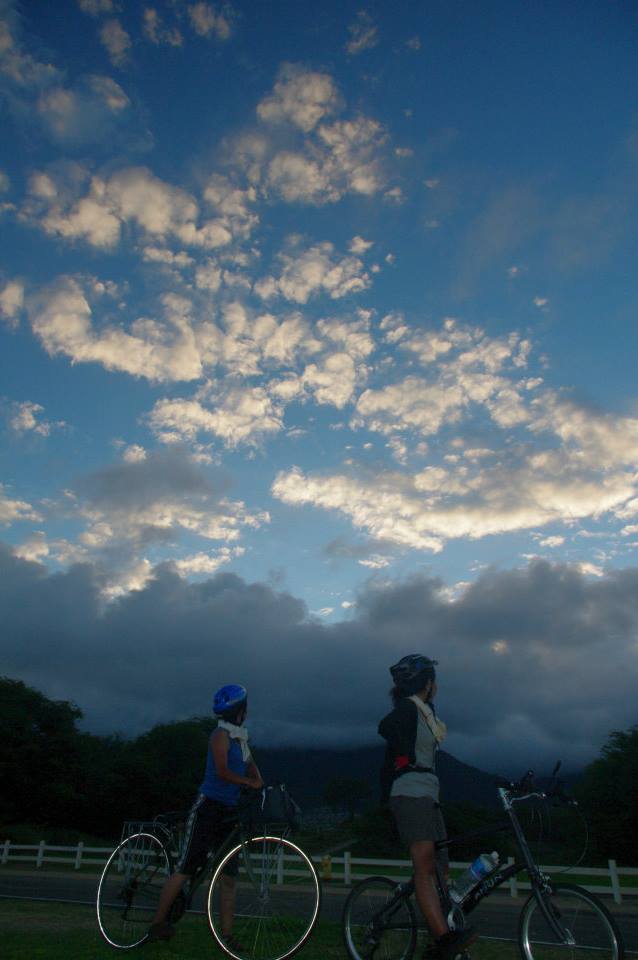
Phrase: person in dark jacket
(413, 732)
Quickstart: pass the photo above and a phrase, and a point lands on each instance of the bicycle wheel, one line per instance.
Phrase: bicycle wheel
(582, 927)
(277, 896)
(378, 922)
(129, 889)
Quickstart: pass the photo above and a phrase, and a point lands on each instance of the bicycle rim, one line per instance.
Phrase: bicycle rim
(129, 889)
(375, 925)
(277, 897)
(582, 928)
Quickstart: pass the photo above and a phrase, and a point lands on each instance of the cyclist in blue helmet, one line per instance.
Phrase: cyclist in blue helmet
(229, 767)
(413, 732)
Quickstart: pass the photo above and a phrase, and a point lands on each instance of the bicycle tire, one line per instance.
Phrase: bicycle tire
(590, 931)
(367, 934)
(129, 889)
(277, 899)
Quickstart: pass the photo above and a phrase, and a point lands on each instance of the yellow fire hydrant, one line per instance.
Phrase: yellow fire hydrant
(326, 867)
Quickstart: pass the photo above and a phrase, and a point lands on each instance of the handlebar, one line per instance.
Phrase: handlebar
(526, 788)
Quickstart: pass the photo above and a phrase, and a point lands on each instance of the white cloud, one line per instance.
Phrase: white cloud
(61, 318)
(353, 336)
(134, 196)
(240, 415)
(134, 453)
(116, 41)
(206, 21)
(5, 183)
(25, 418)
(13, 510)
(596, 439)
(395, 195)
(23, 71)
(301, 97)
(552, 542)
(96, 7)
(358, 245)
(161, 255)
(11, 301)
(332, 380)
(363, 34)
(354, 146)
(377, 561)
(425, 509)
(316, 270)
(34, 548)
(381, 511)
(203, 564)
(295, 177)
(157, 33)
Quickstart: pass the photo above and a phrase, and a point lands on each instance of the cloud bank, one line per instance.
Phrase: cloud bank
(535, 663)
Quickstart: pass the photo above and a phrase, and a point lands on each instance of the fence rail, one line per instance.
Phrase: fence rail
(344, 869)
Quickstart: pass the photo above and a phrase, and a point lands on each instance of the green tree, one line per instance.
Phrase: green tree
(41, 767)
(608, 794)
(346, 792)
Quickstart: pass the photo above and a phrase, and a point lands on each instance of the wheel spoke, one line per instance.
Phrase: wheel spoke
(129, 889)
(573, 926)
(378, 924)
(276, 899)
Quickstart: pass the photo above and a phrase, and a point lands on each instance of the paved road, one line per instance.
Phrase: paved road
(496, 916)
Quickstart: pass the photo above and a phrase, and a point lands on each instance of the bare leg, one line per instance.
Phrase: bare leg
(423, 860)
(226, 903)
(167, 897)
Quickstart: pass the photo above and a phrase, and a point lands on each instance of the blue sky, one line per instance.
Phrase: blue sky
(326, 297)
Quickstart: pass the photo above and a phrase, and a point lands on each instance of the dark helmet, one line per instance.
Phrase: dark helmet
(413, 671)
(228, 699)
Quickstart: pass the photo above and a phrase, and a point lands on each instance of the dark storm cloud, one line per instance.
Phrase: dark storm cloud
(163, 476)
(535, 664)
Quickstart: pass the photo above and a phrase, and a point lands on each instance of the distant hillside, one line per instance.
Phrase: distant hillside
(306, 772)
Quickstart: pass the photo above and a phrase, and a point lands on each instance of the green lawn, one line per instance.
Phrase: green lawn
(46, 931)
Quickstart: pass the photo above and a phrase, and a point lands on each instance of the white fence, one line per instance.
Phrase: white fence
(344, 869)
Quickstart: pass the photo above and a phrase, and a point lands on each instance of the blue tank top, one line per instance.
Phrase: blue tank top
(217, 789)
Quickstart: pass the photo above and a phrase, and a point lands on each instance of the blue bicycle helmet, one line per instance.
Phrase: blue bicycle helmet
(413, 669)
(228, 698)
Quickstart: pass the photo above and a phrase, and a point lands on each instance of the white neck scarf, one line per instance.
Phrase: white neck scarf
(437, 727)
(237, 733)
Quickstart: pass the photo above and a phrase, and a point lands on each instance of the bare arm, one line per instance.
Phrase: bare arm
(219, 743)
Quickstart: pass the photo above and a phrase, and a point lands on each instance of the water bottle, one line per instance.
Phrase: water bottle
(477, 871)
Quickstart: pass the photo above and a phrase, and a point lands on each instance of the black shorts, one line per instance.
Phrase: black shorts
(208, 825)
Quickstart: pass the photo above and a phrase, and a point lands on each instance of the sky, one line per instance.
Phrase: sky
(317, 347)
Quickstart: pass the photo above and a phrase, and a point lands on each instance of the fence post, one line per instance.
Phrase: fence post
(615, 882)
(280, 866)
(78, 856)
(347, 868)
(513, 882)
(5, 851)
(40, 856)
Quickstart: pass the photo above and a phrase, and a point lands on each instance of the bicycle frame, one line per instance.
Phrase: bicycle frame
(238, 833)
(539, 881)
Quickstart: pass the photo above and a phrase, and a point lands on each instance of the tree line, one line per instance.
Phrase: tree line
(52, 774)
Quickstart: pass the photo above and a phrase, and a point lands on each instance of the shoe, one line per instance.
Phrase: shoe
(233, 944)
(450, 944)
(160, 931)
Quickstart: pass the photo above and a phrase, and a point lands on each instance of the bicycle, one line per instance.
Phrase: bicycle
(379, 919)
(277, 888)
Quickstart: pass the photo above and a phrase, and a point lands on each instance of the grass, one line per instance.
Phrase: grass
(46, 931)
